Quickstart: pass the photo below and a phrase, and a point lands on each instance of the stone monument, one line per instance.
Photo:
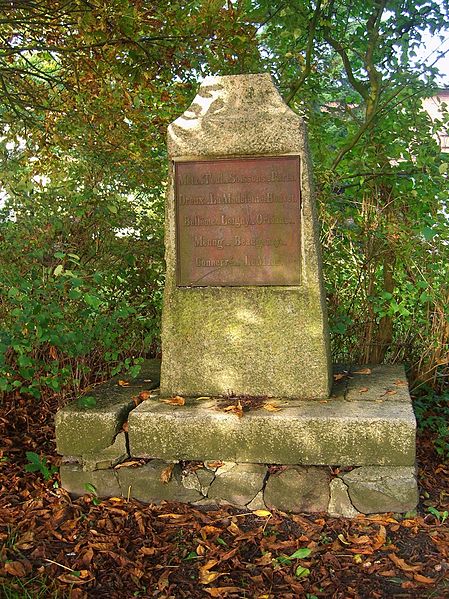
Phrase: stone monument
(244, 308)
(244, 325)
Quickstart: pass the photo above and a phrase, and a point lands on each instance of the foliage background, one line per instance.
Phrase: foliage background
(87, 91)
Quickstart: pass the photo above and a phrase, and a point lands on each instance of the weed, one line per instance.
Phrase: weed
(301, 553)
(34, 588)
(37, 464)
(440, 516)
(93, 491)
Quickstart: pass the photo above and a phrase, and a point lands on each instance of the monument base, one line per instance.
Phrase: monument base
(353, 453)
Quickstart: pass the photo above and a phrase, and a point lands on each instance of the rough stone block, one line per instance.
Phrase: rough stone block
(298, 489)
(108, 457)
(74, 480)
(351, 433)
(382, 489)
(82, 430)
(239, 485)
(339, 502)
(144, 483)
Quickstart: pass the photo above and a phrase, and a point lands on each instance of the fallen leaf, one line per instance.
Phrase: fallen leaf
(423, 579)
(26, 540)
(209, 530)
(124, 465)
(363, 371)
(380, 538)
(339, 376)
(363, 540)
(15, 569)
(163, 581)
(236, 409)
(166, 473)
(87, 557)
(342, 539)
(265, 560)
(222, 591)
(147, 550)
(401, 383)
(408, 584)
(81, 577)
(125, 427)
(121, 383)
(363, 389)
(271, 407)
(206, 576)
(203, 397)
(390, 392)
(209, 577)
(143, 396)
(214, 465)
(262, 513)
(400, 563)
(234, 529)
(175, 401)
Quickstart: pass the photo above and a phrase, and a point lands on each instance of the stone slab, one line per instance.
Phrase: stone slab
(145, 484)
(382, 489)
(238, 486)
(74, 480)
(298, 489)
(108, 457)
(386, 382)
(339, 502)
(82, 430)
(303, 432)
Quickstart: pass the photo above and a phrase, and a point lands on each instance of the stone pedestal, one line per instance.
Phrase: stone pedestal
(354, 453)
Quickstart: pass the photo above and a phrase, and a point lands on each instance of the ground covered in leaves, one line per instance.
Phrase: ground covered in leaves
(53, 546)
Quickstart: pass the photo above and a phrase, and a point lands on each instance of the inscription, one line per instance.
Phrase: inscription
(238, 221)
(238, 198)
(230, 178)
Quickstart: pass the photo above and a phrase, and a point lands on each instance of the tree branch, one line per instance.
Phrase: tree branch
(309, 49)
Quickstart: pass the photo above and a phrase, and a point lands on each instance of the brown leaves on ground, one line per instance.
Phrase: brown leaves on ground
(175, 401)
(363, 371)
(166, 473)
(245, 403)
(121, 549)
(143, 396)
(235, 408)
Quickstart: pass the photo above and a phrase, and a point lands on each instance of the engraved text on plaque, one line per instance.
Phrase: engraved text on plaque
(238, 221)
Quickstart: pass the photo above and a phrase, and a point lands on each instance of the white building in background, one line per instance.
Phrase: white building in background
(434, 108)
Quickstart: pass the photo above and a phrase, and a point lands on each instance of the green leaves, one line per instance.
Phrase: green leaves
(92, 301)
(300, 571)
(36, 464)
(301, 553)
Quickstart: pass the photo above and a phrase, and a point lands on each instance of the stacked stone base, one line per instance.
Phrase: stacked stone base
(349, 455)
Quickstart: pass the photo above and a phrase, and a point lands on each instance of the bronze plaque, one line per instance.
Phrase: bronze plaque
(238, 221)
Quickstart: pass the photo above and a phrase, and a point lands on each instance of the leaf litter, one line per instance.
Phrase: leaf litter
(122, 549)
